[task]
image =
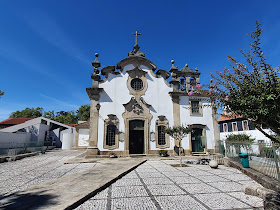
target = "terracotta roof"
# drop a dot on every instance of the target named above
(15, 121)
(72, 125)
(84, 124)
(230, 116)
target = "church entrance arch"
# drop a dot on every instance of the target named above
(136, 137)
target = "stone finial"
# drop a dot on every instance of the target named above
(186, 69)
(173, 69)
(96, 64)
(196, 70)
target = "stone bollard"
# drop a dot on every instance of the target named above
(213, 164)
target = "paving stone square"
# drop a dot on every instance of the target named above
(128, 191)
(227, 186)
(213, 178)
(221, 201)
(251, 200)
(199, 188)
(157, 181)
(236, 177)
(185, 180)
(101, 195)
(131, 175)
(93, 205)
(179, 202)
(165, 190)
(174, 173)
(133, 203)
(149, 175)
(127, 182)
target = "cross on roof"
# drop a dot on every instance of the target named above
(136, 33)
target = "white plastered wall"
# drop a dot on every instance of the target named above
(116, 94)
(205, 119)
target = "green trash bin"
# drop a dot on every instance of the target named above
(244, 159)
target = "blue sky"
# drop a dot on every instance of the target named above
(46, 47)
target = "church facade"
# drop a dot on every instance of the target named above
(132, 103)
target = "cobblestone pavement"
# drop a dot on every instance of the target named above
(158, 185)
(27, 172)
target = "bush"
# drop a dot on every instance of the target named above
(242, 138)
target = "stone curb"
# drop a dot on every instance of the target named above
(264, 180)
(270, 197)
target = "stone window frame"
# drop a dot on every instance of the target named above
(225, 127)
(244, 127)
(137, 73)
(200, 108)
(111, 120)
(161, 122)
(234, 128)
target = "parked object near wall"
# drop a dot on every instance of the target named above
(68, 141)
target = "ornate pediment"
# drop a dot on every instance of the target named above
(137, 72)
(134, 106)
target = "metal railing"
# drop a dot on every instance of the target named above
(263, 156)
(13, 148)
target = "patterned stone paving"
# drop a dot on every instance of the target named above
(27, 172)
(158, 185)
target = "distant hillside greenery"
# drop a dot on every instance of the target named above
(65, 117)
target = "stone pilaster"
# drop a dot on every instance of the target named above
(94, 96)
(216, 128)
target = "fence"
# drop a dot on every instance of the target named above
(263, 156)
(21, 148)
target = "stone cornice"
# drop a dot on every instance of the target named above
(136, 60)
(94, 93)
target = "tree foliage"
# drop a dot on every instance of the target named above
(83, 113)
(1, 93)
(252, 91)
(178, 133)
(66, 117)
(28, 113)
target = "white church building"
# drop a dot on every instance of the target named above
(132, 103)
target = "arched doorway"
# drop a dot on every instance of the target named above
(136, 137)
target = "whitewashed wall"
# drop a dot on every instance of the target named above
(8, 139)
(205, 119)
(253, 133)
(116, 94)
(83, 138)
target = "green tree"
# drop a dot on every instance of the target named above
(66, 117)
(252, 91)
(49, 115)
(83, 113)
(178, 133)
(28, 113)
(1, 93)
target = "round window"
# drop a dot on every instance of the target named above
(137, 84)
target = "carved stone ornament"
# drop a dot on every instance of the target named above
(137, 72)
(93, 93)
(136, 107)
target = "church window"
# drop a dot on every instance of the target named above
(111, 135)
(162, 139)
(137, 84)
(161, 135)
(111, 132)
(195, 108)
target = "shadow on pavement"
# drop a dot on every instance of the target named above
(21, 200)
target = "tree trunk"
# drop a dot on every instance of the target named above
(267, 135)
(180, 153)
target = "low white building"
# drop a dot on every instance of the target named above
(240, 125)
(133, 102)
(38, 129)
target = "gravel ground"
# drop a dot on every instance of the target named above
(22, 174)
(158, 185)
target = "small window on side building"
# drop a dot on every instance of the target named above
(245, 125)
(225, 127)
(234, 126)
